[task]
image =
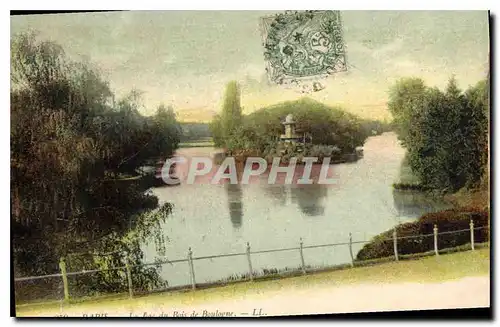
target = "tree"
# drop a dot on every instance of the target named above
(405, 101)
(475, 119)
(70, 147)
(231, 109)
(168, 129)
(217, 132)
(445, 133)
(324, 124)
(226, 125)
(195, 131)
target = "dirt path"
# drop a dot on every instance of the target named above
(462, 293)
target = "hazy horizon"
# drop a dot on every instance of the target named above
(185, 58)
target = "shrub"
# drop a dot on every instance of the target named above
(322, 151)
(448, 220)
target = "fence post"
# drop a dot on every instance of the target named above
(350, 249)
(301, 249)
(436, 240)
(249, 262)
(129, 277)
(62, 266)
(395, 242)
(191, 268)
(472, 234)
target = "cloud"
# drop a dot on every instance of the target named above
(386, 51)
(186, 58)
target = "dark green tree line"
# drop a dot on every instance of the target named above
(72, 148)
(445, 132)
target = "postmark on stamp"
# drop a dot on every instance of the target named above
(303, 46)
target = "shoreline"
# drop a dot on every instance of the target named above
(218, 158)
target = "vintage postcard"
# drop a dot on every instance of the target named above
(201, 164)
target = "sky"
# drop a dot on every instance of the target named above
(185, 58)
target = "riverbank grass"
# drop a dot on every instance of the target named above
(429, 269)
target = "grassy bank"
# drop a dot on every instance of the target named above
(429, 269)
(417, 236)
(477, 197)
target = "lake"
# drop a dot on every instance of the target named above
(222, 218)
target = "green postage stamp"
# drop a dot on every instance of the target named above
(302, 46)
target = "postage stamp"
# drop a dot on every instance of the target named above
(301, 46)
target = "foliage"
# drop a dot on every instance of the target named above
(120, 249)
(445, 133)
(405, 99)
(225, 126)
(375, 127)
(321, 124)
(194, 131)
(321, 151)
(71, 144)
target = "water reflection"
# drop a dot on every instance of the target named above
(309, 198)
(413, 204)
(276, 193)
(234, 195)
(234, 198)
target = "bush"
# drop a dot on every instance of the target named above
(448, 220)
(322, 151)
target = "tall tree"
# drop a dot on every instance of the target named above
(231, 108)
(225, 126)
(70, 146)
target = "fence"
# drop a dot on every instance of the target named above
(66, 294)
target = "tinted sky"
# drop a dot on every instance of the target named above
(184, 58)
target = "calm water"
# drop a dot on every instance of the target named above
(216, 219)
